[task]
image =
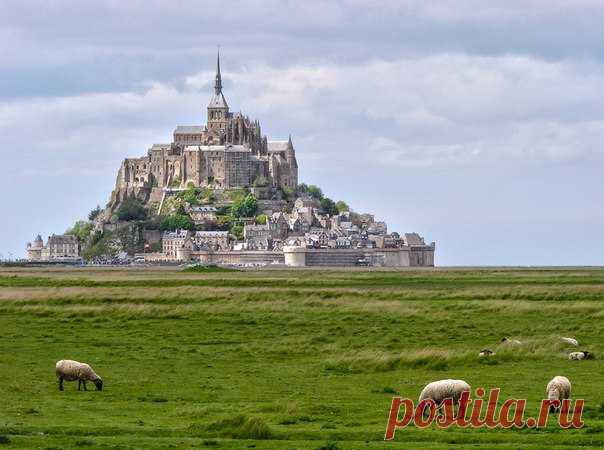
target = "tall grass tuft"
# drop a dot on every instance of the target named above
(209, 269)
(242, 427)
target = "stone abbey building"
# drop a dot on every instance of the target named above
(229, 151)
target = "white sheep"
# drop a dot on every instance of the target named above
(507, 340)
(558, 389)
(570, 341)
(439, 390)
(69, 370)
(486, 352)
(577, 356)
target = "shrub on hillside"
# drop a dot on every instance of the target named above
(94, 213)
(315, 192)
(81, 229)
(176, 222)
(237, 231)
(328, 206)
(131, 209)
(245, 207)
(342, 206)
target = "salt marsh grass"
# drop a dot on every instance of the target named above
(287, 359)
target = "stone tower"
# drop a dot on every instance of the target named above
(218, 110)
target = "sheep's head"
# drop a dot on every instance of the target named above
(554, 405)
(553, 395)
(504, 339)
(588, 355)
(99, 384)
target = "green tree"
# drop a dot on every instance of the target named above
(131, 209)
(342, 206)
(176, 222)
(97, 247)
(302, 188)
(81, 229)
(245, 207)
(288, 193)
(237, 230)
(261, 219)
(190, 196)
(315, 191)
(206, 195)
(328, 206)
(94, 213)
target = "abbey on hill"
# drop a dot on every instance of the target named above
(222, 193)
(229, 151)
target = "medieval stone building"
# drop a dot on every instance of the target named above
(229, 151)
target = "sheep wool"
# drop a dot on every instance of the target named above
(570, 341)
(507, 340)
(558, 388)
(442, 389)
(578, 356)
(70, 370)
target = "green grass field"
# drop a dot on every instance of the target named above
(287, 359)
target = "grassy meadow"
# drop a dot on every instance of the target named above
(282, 359)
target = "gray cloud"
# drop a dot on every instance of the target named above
(461, 120)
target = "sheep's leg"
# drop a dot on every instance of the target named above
(60, 383)
(84, 383)
(79, 384)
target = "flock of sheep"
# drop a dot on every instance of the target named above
(567, 340)
(559, 387)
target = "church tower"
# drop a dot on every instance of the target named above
(218, 110)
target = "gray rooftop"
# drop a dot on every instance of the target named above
(178, 234)
(277, 146)
(414, 239)
(62, 239)
(218, 101)
(189, 129)
(203, 208)
(218, 148)
(202, 234)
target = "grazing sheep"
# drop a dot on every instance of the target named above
(69, 370)
(486, 352)
(577, 356)
(570, 341)
(442, 389)
(507, 340)
(558, 389)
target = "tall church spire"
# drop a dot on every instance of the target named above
(218, 84)
(218, 110)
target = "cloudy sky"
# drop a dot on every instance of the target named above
(478, 124)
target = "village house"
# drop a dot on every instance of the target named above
(257, 237)
(212, 240)
(172, 241)
(59, 247)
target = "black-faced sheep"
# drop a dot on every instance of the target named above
(68, 370)
(486, 352)
(577, 356)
